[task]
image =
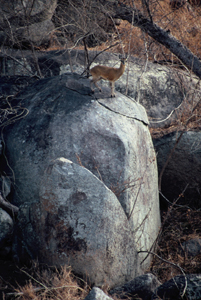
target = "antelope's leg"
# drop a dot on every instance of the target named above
(112, 89)
(94, 81)
(91, 84)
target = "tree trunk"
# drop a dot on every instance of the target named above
(160, 35)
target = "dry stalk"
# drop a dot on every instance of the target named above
(171, 263)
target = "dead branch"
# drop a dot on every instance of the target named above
(160, 35)
(10, 208)
(111, 46)
(171, 263)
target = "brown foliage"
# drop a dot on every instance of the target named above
(51, 284)
(181, 225)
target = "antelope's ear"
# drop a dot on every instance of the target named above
(124, 60)
(123, 57)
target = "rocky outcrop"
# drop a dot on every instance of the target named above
(161, 90)
(109, 137)
(80, 221)
(26, 22)
(182, 174)
(183, 169)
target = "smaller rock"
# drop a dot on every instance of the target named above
(192, 247)
(180, 287)
(6, 229)
(97, 294)
(143, 286)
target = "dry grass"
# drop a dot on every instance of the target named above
(183, 23)
(188, 119)
(179, 125)
(48, 284)
(181, 225)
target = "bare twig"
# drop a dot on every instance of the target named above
(20, 63)
(168, 115)
(164, 222)
(120, 40)
(129, 48)
(10, 208)
(177, 205)
(171, 263)
(166, 261)
(109, 47)
(175, 145)
(86, 56)
(141, 182)
(145, 68)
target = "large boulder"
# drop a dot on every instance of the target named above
(109, 137)
(80, 221)
(160, 89)
(182, 172)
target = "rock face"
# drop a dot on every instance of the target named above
(160, 90)
(26, 21)
(80, 221)
(183, 170)
(109, 137)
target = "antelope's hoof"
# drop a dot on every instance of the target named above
(113, 95)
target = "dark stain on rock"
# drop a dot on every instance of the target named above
(50, 223)
(78, 197)
(67, 242)
(64, 235)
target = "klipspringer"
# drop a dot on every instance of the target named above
(108, 73)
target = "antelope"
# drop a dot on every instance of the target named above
(108, 73)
